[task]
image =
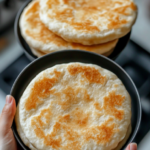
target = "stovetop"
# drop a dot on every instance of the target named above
(133, 59)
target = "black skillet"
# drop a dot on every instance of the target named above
(118, 49)
(77, 56)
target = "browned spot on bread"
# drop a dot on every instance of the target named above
(97, 106)
(38, 126)
(50, 3)
(66, 124)
(39, 31)
(101, 134)
(33, 9)
(71, 3)
(110, 102)
(114, 18)
(66, 118)
(116, 85)
(116, 23)
(120, 3)
(70, 98)
(38, 131)
(73, 138)
(91, 9)
(76, 118)
(43, 34)
(69, 95)
(56, 128)
(41, 89)
(66, 13)
(82, 81)
(98, 114)
(133, 6)
(72, 146)
(87, 26)
(64, 16)
(67, 16)
(90, 73)
(46, 115)
(123, 10)
(82, 120)
(50, 141)
(87, 97)
(74, 143)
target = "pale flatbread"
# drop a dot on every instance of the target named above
(74, 106)
(120, 145)
(88, 21)
(39, 53)
(38, 36)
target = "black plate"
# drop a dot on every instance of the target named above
(77, 56)
(118, 49)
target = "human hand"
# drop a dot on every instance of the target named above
(7, 140)
(132, 146)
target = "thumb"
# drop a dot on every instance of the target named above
(7, 115)
(132, 146)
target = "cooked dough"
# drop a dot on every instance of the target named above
(120, 145)
(74, 106)
(88, 21)
(39, 53)
(38, 36)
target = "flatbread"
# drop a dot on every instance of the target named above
(74, 106)
(39, 53)
(88, 22)
(120, 145)
(38, 36)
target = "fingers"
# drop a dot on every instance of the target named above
(7, 115)
(132, 146)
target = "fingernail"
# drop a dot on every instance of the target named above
(8, 99)
(133, 146)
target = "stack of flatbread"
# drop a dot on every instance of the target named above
(74, 106)
(92, 25)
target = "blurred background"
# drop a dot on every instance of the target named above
(135, 59)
